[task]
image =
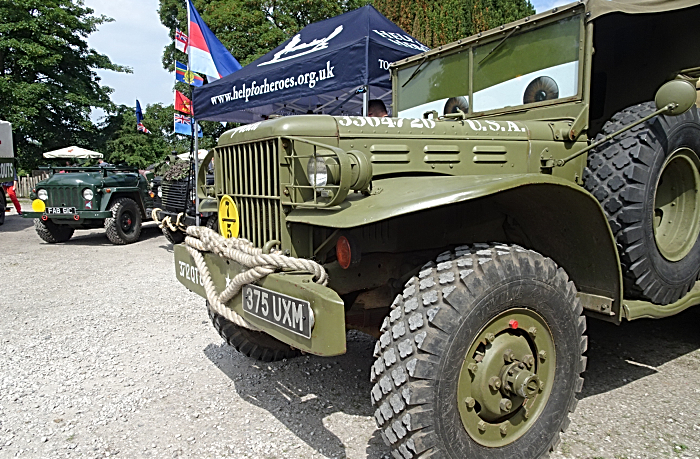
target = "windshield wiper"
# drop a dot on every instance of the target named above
(503, 40)
(415, 72)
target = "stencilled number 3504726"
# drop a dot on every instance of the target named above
(362, 121)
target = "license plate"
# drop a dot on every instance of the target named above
(284, 311)
(60, 210)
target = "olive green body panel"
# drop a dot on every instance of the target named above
(328, 333)
(634, 309)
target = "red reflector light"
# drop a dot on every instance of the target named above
(44, 217)
(108, 190)
(343, 252)
(76, 217)
(513, 324)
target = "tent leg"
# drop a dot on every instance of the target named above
(365, 101)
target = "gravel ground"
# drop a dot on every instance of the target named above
(103, 353)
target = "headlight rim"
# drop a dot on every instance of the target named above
(45, 193)
(87, 191)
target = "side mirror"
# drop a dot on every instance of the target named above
(681, 93)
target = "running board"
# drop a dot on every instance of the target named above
(634, 309)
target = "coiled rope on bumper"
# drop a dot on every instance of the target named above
(201, 239)
(167, 221)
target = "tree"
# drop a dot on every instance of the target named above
(122, 143)
(438, 23)
(48, 83)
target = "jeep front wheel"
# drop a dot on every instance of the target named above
(52, 233)
(124, 227)
(481, 356)
(254, 344)
(174, 237)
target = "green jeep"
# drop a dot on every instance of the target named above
(526, 183)
(117, 198)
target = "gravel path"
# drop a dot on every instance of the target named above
(103, 353)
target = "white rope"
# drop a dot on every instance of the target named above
(201, 239)
(167, 221)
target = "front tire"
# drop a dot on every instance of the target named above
(254, 344)
(174, 237)
(124, 227)
(52, 233)
(481, 356)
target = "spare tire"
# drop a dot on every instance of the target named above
(647, 181)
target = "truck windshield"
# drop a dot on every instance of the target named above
(520, 68)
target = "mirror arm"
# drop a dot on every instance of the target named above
(661, 111)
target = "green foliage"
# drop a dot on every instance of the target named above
(437, 23)
(124, 144)
(176, 171)
(250, 28)
(48, 83)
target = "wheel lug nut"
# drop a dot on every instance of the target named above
(472, 368)
(541, 385)
(470, 402)
(482, 426)
(543, 355)
(495, 382)
(529, 360)
(505, 404)
(508, 356)
(532, 331)
(526, 413)
(490, 337)
(503, 429)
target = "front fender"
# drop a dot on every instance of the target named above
(557, 218)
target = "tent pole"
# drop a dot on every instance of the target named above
(365, 100)
(196, 171)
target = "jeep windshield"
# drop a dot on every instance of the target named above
(526, 65)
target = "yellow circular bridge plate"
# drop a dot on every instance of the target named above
(229, 223)
(38, 205)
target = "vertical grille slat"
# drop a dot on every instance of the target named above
(250, 176)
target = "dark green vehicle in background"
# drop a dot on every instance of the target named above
(117, 198)
(526, 183)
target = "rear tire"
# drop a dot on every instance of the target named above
(52, 233)
(646, 180)
(124, 227)
(213, 223)
(468, 335)
(174, 237)
(254, 344)
(3, 205)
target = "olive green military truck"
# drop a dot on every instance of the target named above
(117, 198)
(527, 182)
(7, 172)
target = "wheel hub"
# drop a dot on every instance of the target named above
(502, 386)
(676, 205)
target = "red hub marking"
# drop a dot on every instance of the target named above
(513, 324)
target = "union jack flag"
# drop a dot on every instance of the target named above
(142, 128)
(183, 125)
(180, 40)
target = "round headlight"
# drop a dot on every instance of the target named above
(160, 192)
(87, 194)
(42, 194)
(317, 171)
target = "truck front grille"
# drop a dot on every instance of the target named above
(64, 196)
(174, 195)
(249, 173)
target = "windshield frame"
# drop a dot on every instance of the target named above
(502, 34)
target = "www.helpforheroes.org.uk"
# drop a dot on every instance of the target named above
(255, 89)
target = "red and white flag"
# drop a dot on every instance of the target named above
(180, 40)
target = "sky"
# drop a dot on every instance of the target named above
(136, 39)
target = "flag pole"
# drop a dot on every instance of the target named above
(193, 122)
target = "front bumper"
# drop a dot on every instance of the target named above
(328, 333)
(82, 215)
(188, 220)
